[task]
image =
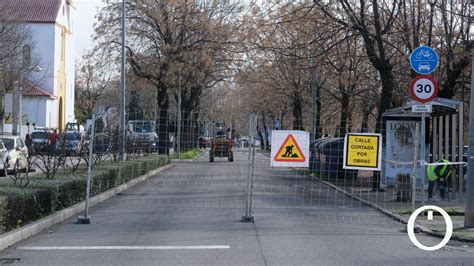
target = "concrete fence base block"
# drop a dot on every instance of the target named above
(17, 235)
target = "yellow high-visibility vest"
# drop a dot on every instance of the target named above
(430, 170)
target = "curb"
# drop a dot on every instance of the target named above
(35, 228)
(199, 156)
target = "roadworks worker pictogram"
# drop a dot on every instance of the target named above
(289, 151)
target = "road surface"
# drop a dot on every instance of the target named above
(190, 215)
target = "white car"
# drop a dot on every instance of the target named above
(17, 158)
(3, 158)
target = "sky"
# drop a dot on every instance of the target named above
(84, 24)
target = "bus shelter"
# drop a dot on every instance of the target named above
(444, 139)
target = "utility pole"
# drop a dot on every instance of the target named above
(178, 137)
(122, 126)
(469, 209)
(314, 94)
(16, 108)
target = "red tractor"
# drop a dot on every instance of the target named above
(221, 146)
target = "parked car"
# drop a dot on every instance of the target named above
(40, 141)
(315, 154)
(3, 159)
(17, 158)
(244, 143)
(327, 159)
(69, 143)
(102, 143)
(204, 143)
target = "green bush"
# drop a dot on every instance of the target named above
(186, 155)
(19, 206)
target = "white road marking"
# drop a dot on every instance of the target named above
(430, 215)
(123, 247)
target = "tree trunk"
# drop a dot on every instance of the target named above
(297, 112)
(452, 75)
(260, 135)
(163, 121)
(318, 116)
(344, 114)
(185, 138)
(365, 123)
(2, 113)
(388, 86)
(265, 130)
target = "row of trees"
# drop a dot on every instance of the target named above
(226, 61)
(359, 50)
(175, 49)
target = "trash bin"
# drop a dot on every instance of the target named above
(315, 155)
(331, 153)
(403, 187)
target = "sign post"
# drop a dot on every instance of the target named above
(423, 156)
(423, 89)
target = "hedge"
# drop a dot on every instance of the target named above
(19, 206)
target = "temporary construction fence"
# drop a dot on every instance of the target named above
(224, 168)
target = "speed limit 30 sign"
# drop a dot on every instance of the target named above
(423, 88)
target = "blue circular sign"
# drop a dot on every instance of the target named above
(424, 60)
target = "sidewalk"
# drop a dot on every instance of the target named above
(387, 202)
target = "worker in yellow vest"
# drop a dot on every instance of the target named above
(441, 174)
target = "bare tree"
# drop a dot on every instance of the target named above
(93, 80)
(180, 47)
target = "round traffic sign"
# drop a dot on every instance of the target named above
(424, 60)
(423, 88)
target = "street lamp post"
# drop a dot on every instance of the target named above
(122, 127)
(314, 94)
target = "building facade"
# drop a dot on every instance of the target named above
(48, 94)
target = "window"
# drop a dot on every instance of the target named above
(26, 51)
(8, 143)
(18, 143)
(22, 144)
(39, 135)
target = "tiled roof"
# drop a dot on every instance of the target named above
(30, 10)
(32, 90)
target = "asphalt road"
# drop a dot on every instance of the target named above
(190, 215)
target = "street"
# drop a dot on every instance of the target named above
(190, 215)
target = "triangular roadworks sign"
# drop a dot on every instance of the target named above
(289, 151)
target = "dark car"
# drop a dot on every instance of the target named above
(40, 141)
(315, 154)
(102, 143)
(327, 159)
(69, 143)
(203, 143)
